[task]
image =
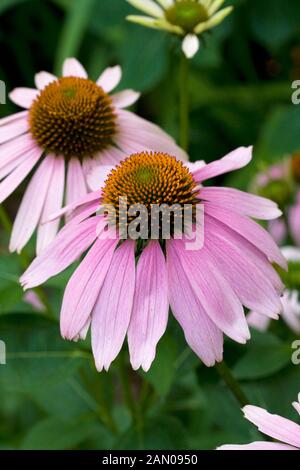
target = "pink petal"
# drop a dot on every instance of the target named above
(32, 299)
(278, 230)
(250, 230)
(214, 293)
(79, 206)
(257, 321)
(97, 177)
(150, 309)
(43, 79)
(241, 202)
(111, 315)
(53, 202)
(23, 97)
(258, 445)
(73, 68)
(273, 425)
(233, 161)
(110, 78)
(31, 207)
(125, 98)
(12, 153)
(291, 310)
(294, 223)
(249, 273)
(13, 129)
(202, 335)
(84, 286)
(76, 184)
(69, 244)
(12, 181)
(137, 134)
(296, 404)
(13, 117)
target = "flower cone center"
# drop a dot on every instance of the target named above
(187, 14)
(73, 117)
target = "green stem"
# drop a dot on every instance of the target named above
(235, 388)
(184, 102)
(25, 261)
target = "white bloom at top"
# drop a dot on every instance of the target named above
(188, 18)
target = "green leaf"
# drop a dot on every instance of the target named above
(56, 434)
(36, 356)
(266, 355)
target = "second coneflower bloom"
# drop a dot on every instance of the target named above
(125, 285)
(71, 124)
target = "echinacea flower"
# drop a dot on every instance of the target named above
(70, 125)
(285, 431)
(187, 18)
(290, 301)
(206, 286)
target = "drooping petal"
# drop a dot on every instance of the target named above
(213, 21)
(73, 68)
(296, 404)
(97, 177)
(69, 244)
(155, 23)
(190, 45)
(47, 230)
(13, 153)
(12, 181)
(214, 6)
(23, 97)
(241, 202)
(110, 78)
(43, 79)
(125, 98)
(150, 309)
(277, 228)
(75, 184)
(233, 161)
(202, 335)
(111, 314)
(291, 310)
(13, 118)
(294, 222)
(31, 207)
(13, 129)
(257, 321)
(84, 286)
(258, 445)
(273, 425)
(149, 136)
(213, 292)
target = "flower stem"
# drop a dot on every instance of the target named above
(25, 261)
(184, 102)
(235, 388)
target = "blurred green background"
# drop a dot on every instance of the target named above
(240, 94)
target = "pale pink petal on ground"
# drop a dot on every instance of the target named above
(137, 134)
(111, 314)
(83, 288)
(43, 79)
(249, 273)
(69, 244)
(257, 321)
(110, 78)
(150, 309)
(278, 230)
(233, 161)
(273, 425)
(214, 292)
(32, 299)
(75, 184)
(294, 223)
(291, 310)
(125, 98)
(13, 129)
(250, 230)
(202, 335)
(12, 153)
(31, 207)
(53, 202)
(73, 68)
(97, 177)
(12, 181)
(13, 118)
(258, 445)
(23, 97)
(296, 404)
(241, 202)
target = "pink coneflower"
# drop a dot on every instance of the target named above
(290, 301)
(70, 125)
(277, 427)
(206, 287)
